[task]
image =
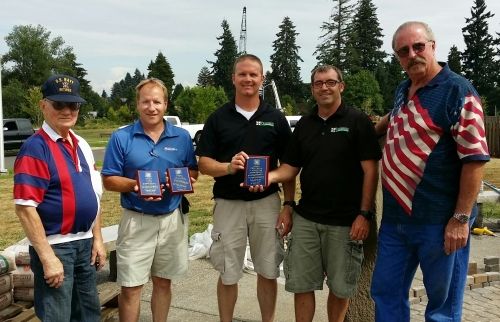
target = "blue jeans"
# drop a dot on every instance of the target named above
(401, 248)
(76, 299)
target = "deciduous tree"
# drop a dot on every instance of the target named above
(197, 103)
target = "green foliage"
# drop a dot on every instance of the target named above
(222, 68)
(389, 74)
(288, 104)
(205, 77)
(32, 54)
(13, 99)
(195, 104)
(478, 57)
(31, 106)
(365, 40)
(454, 60)
(32, 57)
(120, 115)
(284, 61)
(123, 92)
(332, 49)
(161, 69)
(362, 90)
(178, 89)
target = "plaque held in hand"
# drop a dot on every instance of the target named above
(180, 180)
(148, 182)
(256, 170)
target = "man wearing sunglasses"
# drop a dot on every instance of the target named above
(57, 191)
(431, 173)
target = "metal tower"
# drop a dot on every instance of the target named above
(242, 49)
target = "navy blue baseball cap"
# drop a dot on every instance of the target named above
(62, 88)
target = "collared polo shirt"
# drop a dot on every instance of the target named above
(430, 136)
(61, 183)
(330, 153)
(130, 149)
(227, 132)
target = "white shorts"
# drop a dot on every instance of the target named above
(151, 246)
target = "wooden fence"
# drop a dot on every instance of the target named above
(492, 125)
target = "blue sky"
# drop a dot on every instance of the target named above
(112, 37)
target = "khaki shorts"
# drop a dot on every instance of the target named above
(234, 221)
(315, 250)
(151, 246)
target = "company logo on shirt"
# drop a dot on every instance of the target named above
(339, 129)
(261, 123)
(169, 148)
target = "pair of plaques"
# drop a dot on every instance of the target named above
(149, 182)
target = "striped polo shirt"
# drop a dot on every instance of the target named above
(61, 182)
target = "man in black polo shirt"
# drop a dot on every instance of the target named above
(338, 152)
(246, 126)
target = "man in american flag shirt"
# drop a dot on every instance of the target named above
(432, 168)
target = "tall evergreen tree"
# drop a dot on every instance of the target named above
(205, 77)
(222, 67)
(336, 31)
(161, 69)
(284, 61)
(478, 56)
(123, 92)
(365, 40)
(454, 60)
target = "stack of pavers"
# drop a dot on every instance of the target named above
(490, 276)
(476, 278)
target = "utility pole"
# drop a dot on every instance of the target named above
(2, 152)
(242, 49)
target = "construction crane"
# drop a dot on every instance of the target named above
(243, 33)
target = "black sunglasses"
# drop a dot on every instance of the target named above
(59, 106)
(417, 47)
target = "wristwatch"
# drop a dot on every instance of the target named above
(461, 217)
(290, 203)
(368, 214)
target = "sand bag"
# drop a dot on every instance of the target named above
(7, 262)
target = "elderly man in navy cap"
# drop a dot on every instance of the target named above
(57, 192)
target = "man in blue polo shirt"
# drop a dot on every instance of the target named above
(57, 192)
(152, 235)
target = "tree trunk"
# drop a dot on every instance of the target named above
(361, 306)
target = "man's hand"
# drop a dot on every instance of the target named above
(237, 162)
(98, 254)
(53, 271)
(360, 228)
(455, 236)
(284, 223)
